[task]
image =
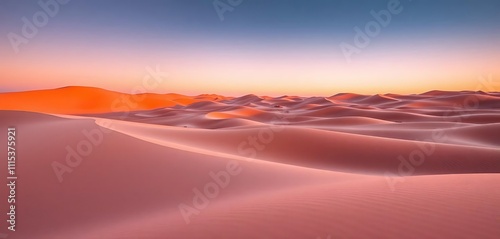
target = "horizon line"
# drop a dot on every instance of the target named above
(334, 94)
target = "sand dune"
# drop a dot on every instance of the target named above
(345, 166)
(89, 100)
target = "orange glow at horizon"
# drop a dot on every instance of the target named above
(233, 72)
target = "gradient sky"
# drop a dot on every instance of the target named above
(266, 47)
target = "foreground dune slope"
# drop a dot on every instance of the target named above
(132, 180)
(447, 206)
(120, 177)
(323, 149)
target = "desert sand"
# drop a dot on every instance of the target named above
(99, 164)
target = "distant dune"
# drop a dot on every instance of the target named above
(89, 100)
(344, 166)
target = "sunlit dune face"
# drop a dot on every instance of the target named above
(212, 97)
(219, 115)
(346, 96)
(238, 113)
(88, 100)
(80, 100)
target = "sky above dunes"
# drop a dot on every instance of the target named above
(266, 47)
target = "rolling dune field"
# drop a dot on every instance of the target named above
(99, 164)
